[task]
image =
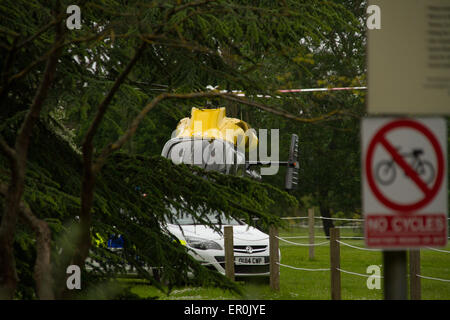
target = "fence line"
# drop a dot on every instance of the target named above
(303, 244)
(328, 269)
(334, 242)
(349, 227)
(431, 278)
(337, 227)
(319, 217)
(352, 238)
(302, 237)
(338, 219)
(355, 247)
(359, 274)
(326, 218)
(438, 250)
(323, 237)
(302, 269)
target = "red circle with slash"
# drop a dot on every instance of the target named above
(380, 139)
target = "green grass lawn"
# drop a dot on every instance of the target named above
(315, 285)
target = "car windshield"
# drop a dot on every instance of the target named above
(184, 218)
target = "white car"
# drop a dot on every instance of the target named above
(251, 246)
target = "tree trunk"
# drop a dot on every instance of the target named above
(8, 278)
(18, 162)
(87, 199)
(327, 223)
(42, 267)
(8, 274)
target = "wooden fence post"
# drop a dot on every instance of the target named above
(311, 233)
(274, 267)
(414, 270)
(229, 252)
(335, 264)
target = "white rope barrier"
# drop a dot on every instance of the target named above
(431, 278)
(352, 238)
(355, 273)
(300, 237)
(240, 93)
(321, 217)
(338, 227)
(303, 244)
(359, 274)
(301, 269)
(355, 247)
(349, 227)
(322, 89)
(323, 237)
(438, 250)
(338, 219)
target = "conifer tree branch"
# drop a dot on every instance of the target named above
(192, 4)
(8, 274)
(42, 267)
(9, 61)
(54, 49)
(88, 180)
(7, 150)
(42, 30)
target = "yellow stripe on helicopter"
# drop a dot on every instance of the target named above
(213, 124)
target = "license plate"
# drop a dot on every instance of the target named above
(249, 260)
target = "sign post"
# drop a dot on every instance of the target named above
(404, 191)
(405, 170)
(395, 285)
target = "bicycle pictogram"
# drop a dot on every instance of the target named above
(386, 170)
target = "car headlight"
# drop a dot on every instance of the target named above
(202, 244)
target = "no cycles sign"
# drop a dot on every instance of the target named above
(404, 182)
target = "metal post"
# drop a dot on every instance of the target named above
(395, 285)
(414, 270)
(274, 259)
(229, 251)
(335, 264)
(311, 233)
